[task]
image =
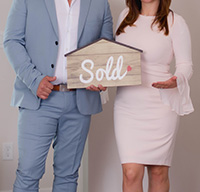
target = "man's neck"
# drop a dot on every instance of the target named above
(69, 1)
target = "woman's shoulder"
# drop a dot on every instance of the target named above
(175, 20)
(123, 13)
(125, 10)
(121, 17)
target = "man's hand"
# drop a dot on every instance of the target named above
(94, 88)
(171, 83)
(45, 87)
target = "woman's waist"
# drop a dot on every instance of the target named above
(148, 79)
(154, 72)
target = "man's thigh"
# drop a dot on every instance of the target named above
(69, 143)
(36, 129)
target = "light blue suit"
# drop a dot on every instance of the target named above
(30, 44)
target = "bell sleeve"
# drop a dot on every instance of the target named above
(179, 98)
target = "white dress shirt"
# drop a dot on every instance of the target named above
(68, 18)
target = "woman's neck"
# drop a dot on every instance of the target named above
(150, 9)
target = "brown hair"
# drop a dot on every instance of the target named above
(135, 9)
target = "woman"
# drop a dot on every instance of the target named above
(146, 116)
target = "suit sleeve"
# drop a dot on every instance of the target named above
(107, 27)
(15, 47)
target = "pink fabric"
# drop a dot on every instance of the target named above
(146, 119)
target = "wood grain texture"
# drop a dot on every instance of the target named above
(99, 54)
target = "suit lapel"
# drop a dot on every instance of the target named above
(50, 4)
(84, 7)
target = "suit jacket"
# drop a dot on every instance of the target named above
(29, 42)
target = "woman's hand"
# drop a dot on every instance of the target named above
(171, 83)
(94, 88)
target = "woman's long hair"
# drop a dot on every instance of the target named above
(135, 9)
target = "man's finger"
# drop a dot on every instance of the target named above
(50, 78)
(92, 88)
(102, 88)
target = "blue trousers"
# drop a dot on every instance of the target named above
(57, 119)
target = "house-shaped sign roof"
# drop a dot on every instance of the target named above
(103, 62)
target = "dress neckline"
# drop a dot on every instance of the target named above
(147, 16)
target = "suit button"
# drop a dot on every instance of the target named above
(56, 42)
(52, 65)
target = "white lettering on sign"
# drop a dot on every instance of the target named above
(87, 70)
(100, 73)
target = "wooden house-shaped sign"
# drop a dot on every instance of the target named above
(103, 62)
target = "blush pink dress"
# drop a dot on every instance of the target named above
(146, 119)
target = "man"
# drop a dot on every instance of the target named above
(37, 35)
